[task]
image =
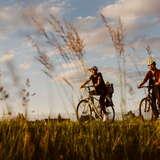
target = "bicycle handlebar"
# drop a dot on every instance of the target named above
(151, 86)
(87, 86)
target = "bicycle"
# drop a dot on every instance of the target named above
(146, 105)
(88, 108)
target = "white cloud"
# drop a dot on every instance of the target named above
(68, 74)
(91, 34)
(95, 36)
(25, 66)
(153, 42)
(110, 70)
(72, 75)
(15, 16)
(85, 20)
(6, 57)
(132, 12)
(5, 13)
(75, 64)
(38, 10)
(132, 9)
(72, 71)
(52, 52)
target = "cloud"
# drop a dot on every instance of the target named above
(72, 75)
(132, 12)
(90, 31)
(88, 18)
(75, 64)
(153, 42)
(110, 70)
(136, 75)
(7, 57)
(95, 36)
(5, 13)
(52, 52)
(25, 66)
(23, 14)
(38, 9)
(132, 9)
(85, 22)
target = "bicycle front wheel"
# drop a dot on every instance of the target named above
(84, 111)
(145, 109)
(110, 113)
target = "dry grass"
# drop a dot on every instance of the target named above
(26, 95)
(130, 139)
(62, 36)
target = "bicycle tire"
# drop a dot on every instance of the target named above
(145, 109)
(85, 106)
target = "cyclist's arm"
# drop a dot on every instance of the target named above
(98, 82)
(158, 82)
(86, 82)
(147, 77)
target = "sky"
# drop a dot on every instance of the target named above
(141, 26)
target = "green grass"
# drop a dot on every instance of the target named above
(40, 140)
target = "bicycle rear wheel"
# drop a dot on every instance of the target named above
(145, 109)
(110, 113)
(83, 111)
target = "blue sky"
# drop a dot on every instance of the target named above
(141, 22)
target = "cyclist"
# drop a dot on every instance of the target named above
(100, 88)
(153, 75)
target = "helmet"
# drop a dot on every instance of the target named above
(150, 60)
(95, 68)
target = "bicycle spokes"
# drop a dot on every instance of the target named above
(147, 106)
(85, 109)
(90, 108)
(145, 109)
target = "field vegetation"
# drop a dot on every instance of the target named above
(49, 140)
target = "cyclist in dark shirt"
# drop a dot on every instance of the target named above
(100, 87)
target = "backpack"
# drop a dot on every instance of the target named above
(109, 88)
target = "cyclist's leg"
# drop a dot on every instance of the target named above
(157, 90)
(154, 97)
(109, 101)
(159, 97)
(102, 102)
(102, 106)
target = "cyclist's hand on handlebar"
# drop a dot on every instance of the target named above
(86, 86)
(82, 86)
(139, 86)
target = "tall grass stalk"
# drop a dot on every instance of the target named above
(63, 37)
(117, 37)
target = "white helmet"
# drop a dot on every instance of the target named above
(150, 60)
(94, 68)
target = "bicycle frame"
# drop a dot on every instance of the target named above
(149, 97)
(150, 92)
(91, 99)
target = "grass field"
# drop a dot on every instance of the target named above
(48, 140)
